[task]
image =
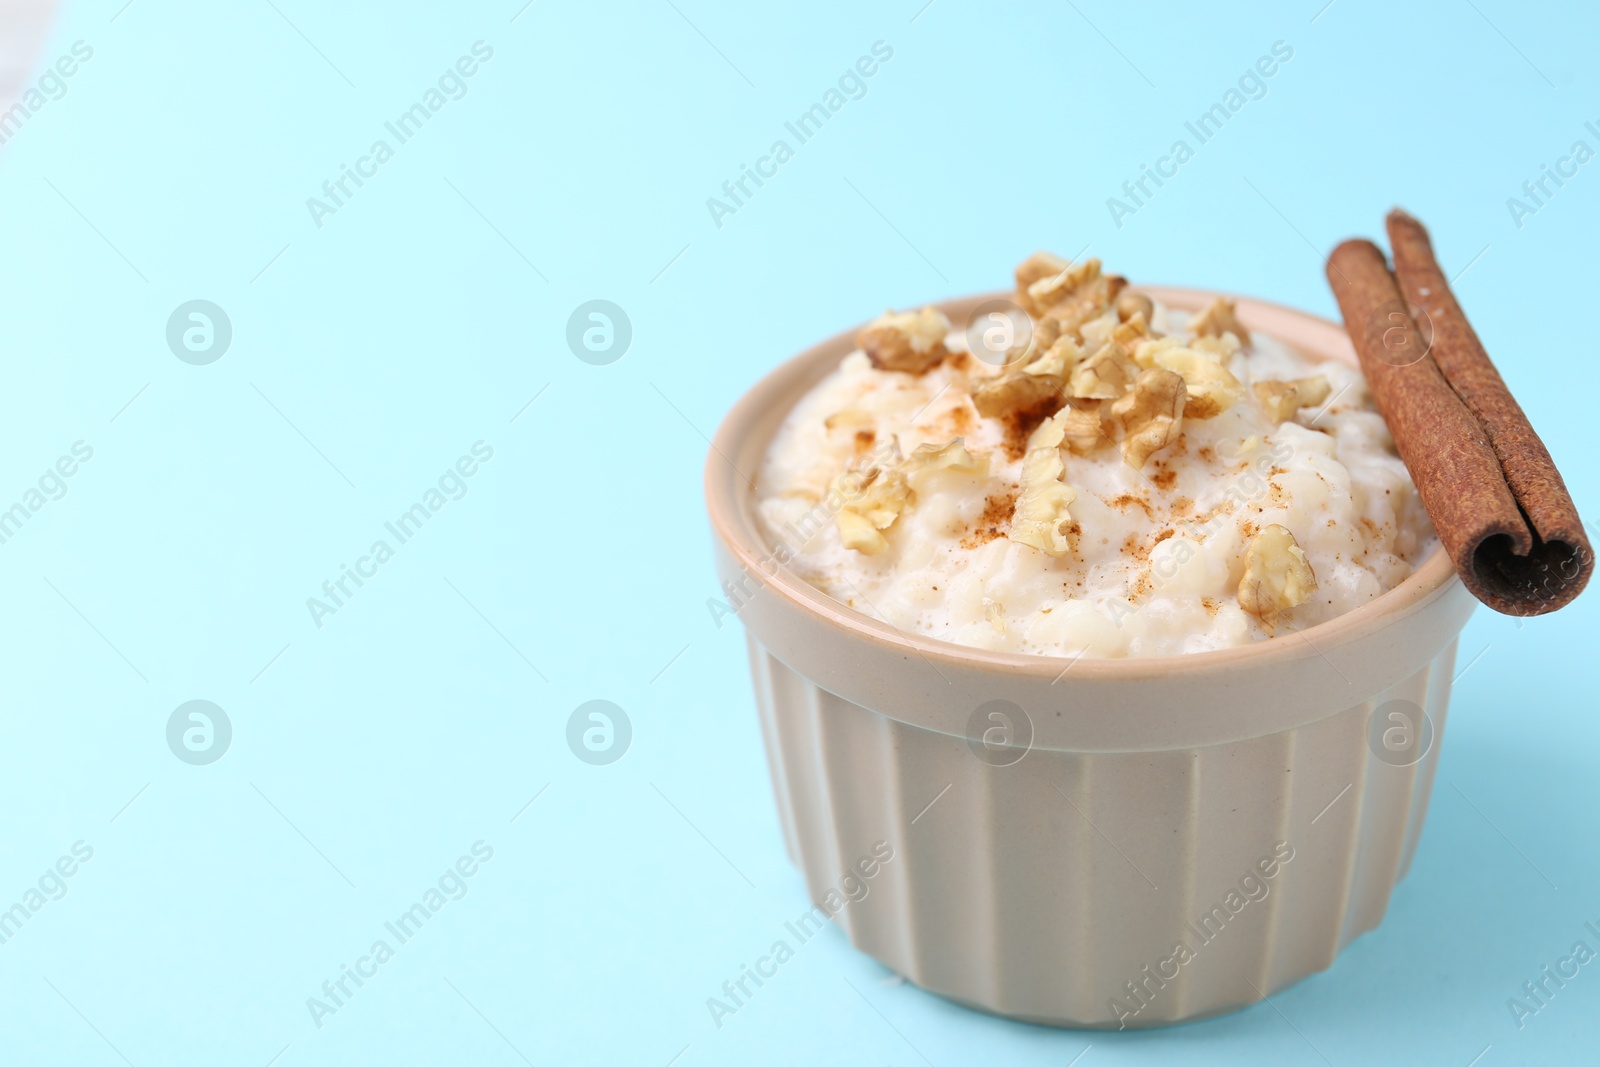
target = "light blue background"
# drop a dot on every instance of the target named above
(371, 352)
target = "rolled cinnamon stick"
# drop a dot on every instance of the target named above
(1558, 564)
(1457, 473)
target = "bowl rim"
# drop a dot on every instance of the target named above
(729, 501)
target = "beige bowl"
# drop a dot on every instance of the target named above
(1053, 851)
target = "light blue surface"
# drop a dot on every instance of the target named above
(371, 352)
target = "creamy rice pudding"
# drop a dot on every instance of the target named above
(1111, 477)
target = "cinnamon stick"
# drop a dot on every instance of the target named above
(1560, 560)
(1504, 561)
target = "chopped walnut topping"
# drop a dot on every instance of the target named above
(1218, 318)
(1058, 359)
(1224, 347)
(1090, 302)
(1045, 333)
(1280, 399)
(910, 341)
(1096, 332)
(1313, 390)
(1105, 375)
(1283, 399)
(1081, 429)
(857, 532)
(1109, 373)
(1018, 391)
(1039, 265)
(1212, 389)
(1129, 304)
(875, 496)
(1132, 330)
(1277, 576)
(1151, 415)
(1041, 517)
(930, 459)
(1144, 353)
(1045, 293)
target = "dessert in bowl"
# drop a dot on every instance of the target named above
(1139, 667)
(988, 501)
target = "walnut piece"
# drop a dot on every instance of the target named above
(1132, 329)
(1091, 301)
(1144, 353)
(1045, 334)
(1151, 415)
(874, 497)
(1017, 391)
(1066, 294)
(1081, 430)
(857, 532)
(1277, 576)
(927, 461)
(1039, 265)
(1223, 348)
(1217, 318)
(1129, 304)
(1105, 375)
(1059, 359)
(1041, 518)
(909, 341)
(1045, 293)
(1212, 389)
(1283, 399)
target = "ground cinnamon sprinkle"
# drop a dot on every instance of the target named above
(1207, 454)
(1182, 506)
(1227, 507)
(1019, 426)
(1074, 534)
(1164, 478)
(997, 512)
(864, 440)
(950, 424)
(1123, 502)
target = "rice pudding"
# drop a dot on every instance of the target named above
(1113, 478)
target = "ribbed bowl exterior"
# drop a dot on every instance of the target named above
(1057, 888)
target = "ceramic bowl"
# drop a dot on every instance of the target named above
(1090, 842)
